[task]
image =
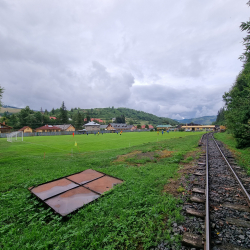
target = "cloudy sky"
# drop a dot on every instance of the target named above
(170, 58)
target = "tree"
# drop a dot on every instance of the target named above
(138, 126)
(63, 114)
(120, 119)
(53, 111)
(146, 126)
(237, 99)
(245, 26)
(14, 121)
(131, 121)
(88, 117)
(24, 113)
(78, 120)
(237, 103)
(220, 119)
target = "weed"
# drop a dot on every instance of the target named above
(180, 189)
(188, 159)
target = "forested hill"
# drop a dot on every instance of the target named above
(204, 120)
(133, 115)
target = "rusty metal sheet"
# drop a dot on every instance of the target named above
(50, 189)
(71, 200)
(103, 184)
(85, 176)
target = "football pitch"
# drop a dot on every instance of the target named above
(136, 214)
(85, 143)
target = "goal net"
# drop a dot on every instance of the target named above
(15, 136)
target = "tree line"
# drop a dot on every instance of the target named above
(236, 113)
(35, 119)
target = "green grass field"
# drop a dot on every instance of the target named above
(85, 143)
(242, 155)
(136, 214)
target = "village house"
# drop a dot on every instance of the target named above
(222, 128)
(26, 129)
(149, 126)
(4, 128)
(120, 127)
(95, 119)
(92, 126)
(165, 127)
(103, 127)
(66, 127)
(198, 128)
(48, 128)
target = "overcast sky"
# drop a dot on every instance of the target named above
(170, 58)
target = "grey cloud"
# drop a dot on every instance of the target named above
(170, 58)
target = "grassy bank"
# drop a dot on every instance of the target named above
(133, 215)
(242, 155)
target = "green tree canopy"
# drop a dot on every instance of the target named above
(120, 119)
(237, 99)
(78, 120)
(63, 114)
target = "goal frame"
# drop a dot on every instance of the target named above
(14, 135)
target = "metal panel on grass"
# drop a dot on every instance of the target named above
(71, 200)
(85, 176)
(103, 184)
(72, 192)
(50, 189)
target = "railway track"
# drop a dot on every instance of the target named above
(217, 209)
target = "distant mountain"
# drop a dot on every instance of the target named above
(204, 120)
(7, 106)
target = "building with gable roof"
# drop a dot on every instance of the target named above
(92, 126)
(66, 127)
(165, 127)
(149, 126)
(48, 128)
(119, 127)
(26, 129)
(4, 128)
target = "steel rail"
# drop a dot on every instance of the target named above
(207, 202)
(235, 175)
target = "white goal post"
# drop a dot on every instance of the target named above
(15, 136)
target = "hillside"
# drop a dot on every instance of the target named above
(132, 116)
(9, 109)
(135, 115)
(204, 120)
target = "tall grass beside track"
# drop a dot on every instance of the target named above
(242, 155)
(134, 214)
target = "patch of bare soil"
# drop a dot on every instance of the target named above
(154, 155)
(174, 186)
(122, 158)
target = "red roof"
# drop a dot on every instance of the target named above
(149, 126)
(5, 126)
(48, 127)
(52, 117)
(22, 129)
(94, 119)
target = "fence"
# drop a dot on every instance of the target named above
(4, 135)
